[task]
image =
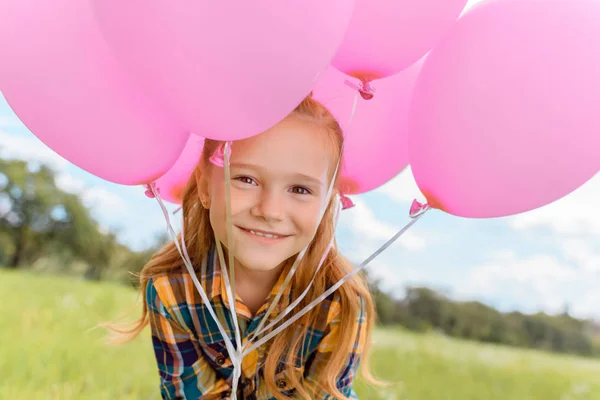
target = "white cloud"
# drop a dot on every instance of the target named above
(413, 241)
(394, 278)
(362, 220)
(535, 282)
(538, 282)
(101, 201)
(541, 272)
(29, 149)
(582, 253)
(68, 183)
(573, 224)
(372, 233)
(403, 188)
(575, 214)
(588, 304)
(7, 121)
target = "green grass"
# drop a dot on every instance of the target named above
(47, 351)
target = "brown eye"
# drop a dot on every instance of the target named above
(300, 190)
(246, 179)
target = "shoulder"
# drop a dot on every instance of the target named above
(333, 306)
(166, 287)
(170, 294)
(333, 309)
(175, 287)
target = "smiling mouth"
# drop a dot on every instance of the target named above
(263, 234)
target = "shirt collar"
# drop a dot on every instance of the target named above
(219, 290)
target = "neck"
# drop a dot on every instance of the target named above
(253, 286)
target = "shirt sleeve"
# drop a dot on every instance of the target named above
(328, 345)
(184, 374)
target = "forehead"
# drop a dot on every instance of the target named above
(293, 146)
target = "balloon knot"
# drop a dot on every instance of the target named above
(149, 192)
(417, 209)
(346, 202)
(218, 157)
(365, 89)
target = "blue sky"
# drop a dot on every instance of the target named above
(541, 260)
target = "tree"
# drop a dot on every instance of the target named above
(40, 218)
(31, 209)
(384, 303)
(426, 305)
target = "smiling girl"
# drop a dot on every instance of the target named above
(279, 184)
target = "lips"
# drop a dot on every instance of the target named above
(264, 234)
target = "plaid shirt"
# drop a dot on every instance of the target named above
(192, 358)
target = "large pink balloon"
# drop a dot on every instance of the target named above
(387, 36)
(375, 145)
(172, 184)
(62, 81)
(505, 112)
(226, 69)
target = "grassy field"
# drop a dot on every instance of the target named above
(47, 351)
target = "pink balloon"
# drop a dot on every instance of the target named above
(505, 112)
(387, 36)
(61, 80)
(226, 69)
(172, 184)
(375, 145)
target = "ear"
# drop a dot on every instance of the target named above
(203, 192)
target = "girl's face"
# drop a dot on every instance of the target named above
(279, 182)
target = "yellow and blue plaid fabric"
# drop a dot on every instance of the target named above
(191, 355)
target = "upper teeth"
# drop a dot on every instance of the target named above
(267, 235)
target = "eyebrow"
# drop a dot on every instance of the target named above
(298, 175)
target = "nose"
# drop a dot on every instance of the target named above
(270, 206)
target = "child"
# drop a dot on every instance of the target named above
(279, 184)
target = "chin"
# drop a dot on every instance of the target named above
(259, 262)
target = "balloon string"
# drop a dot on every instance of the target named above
(260, 329)
(236, 355)
(354, 106)
(230, 244)
(182, 249)
(328, 292)
(230, 283)
(291, 307)
(299, 258)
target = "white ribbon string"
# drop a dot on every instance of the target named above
(332, 289)
(237, 353)
(354, 105)
(300, 256)
(182, 249)
(230, 284)
(289, 308)
(237, 358)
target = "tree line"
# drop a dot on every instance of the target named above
(45, 229)
(424, 309)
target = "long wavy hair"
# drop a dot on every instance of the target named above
(200, 239)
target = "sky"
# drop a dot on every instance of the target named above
(542, 260)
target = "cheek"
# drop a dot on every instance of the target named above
(217, 221)
(217, 184)
(242, 200)
(307, 218)
(217, 193)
